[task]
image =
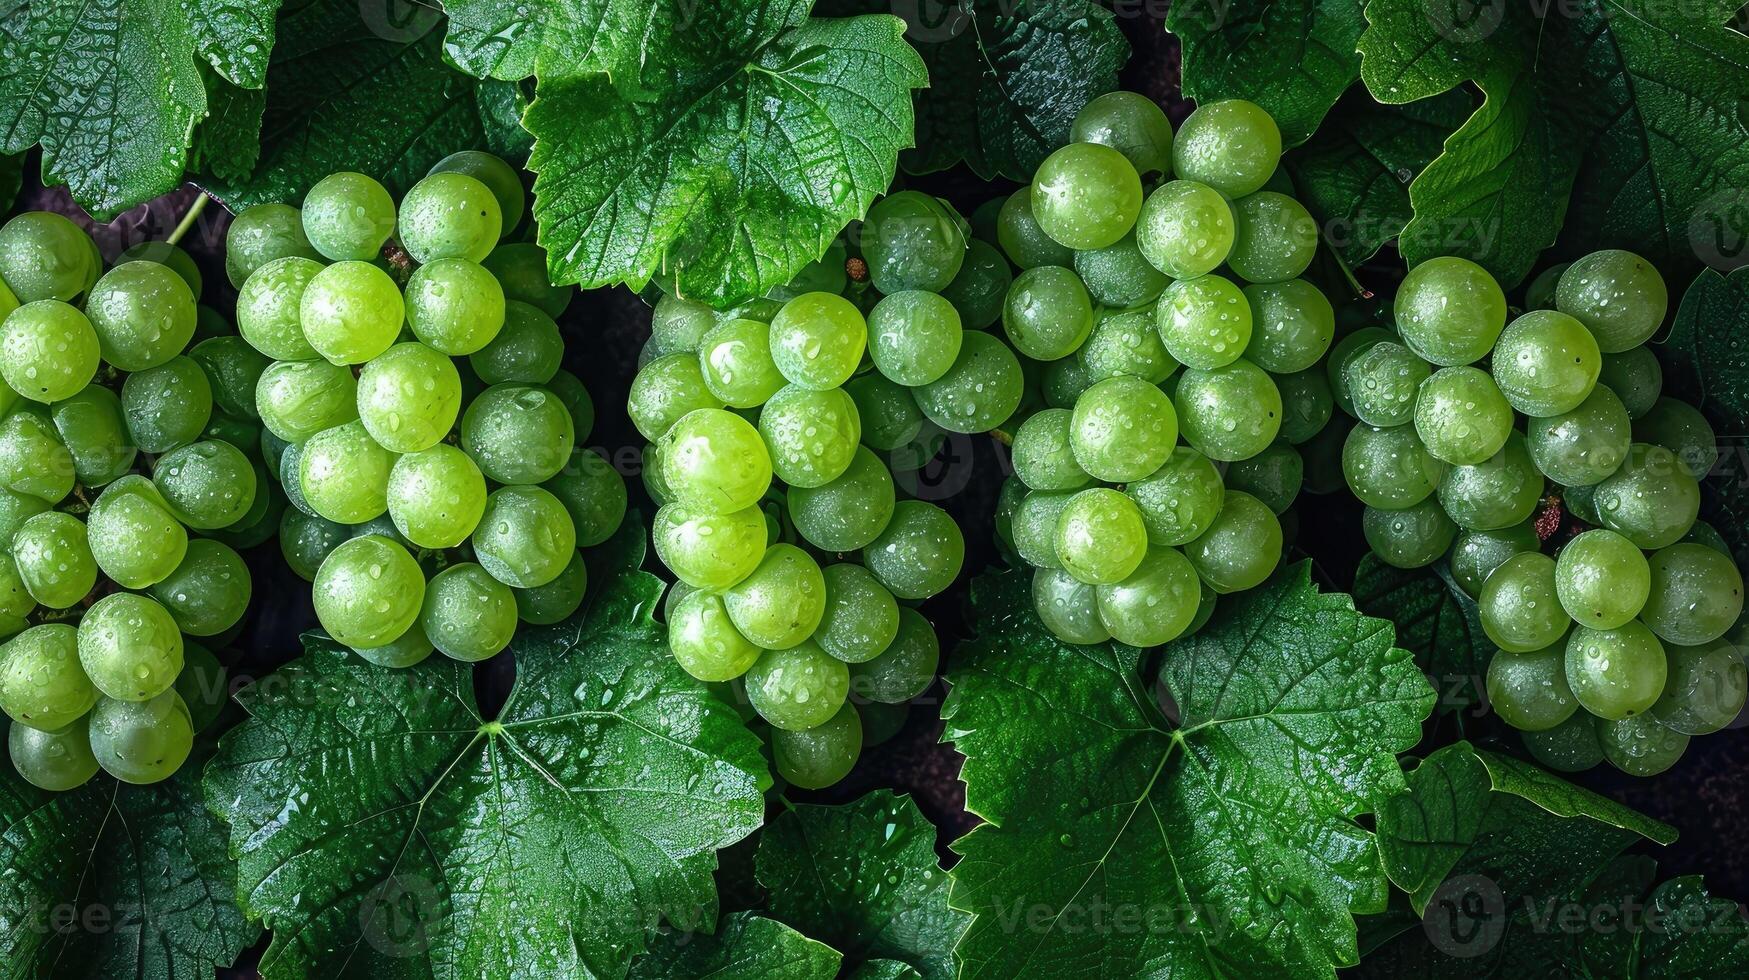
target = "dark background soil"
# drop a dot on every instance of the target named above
(1703, 795)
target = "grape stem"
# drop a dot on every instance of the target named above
(188, 218)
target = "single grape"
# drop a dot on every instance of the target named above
(705, 642)
(546, 604)
(1033, 526)
(595, 495)
(1129, 123)
(1204, 322)
(344, 474)
(1529, 691)
(817, 340)
(347, 215)
(797, 687)
(467, 614)
(1155, 603)
(521, 270)
(736, 363)
(1546, 363)
(1179, 500)
(1382, 383)
(1232, 145)
(781, 602)
(1086, 195)
(409, 397)
(142, 742)
(1602, 579)
(1571, 746)
(1695, 594)
(518, 434)
(1065, 380)
(57, 761)
(42, 684)
(1122, 429)
(919, 553)
(1345, 350)
(93, 428)
(234, 368)
(44, 255)
(1640, 746)
(1461, 416)
(133, 535)
(1540, 294)
(209, 592)
(666, 389)
(130, 647)
(268, 308)
(1021, 238)
(405, 650)
(1520, 607)
(1042, 454)
(455, 306)
(848, 513)
(1229, 413)
(368, 592)
(1100, 536)
(1682, 429)
(1241, 547)
(54, 560)
(1619, 296)
(1117, 275)
(1503, 491)
(1476, 554)
(980, 391)
(1185, 229)
(1292, 325)
(1046, 314)
(33, 460)
(817, 757)
(1306, 405)
(912, 241)
(1389, 468)
(298, 399)
(1636, 378)
(450, 215)
(48, 351)
(706, 550)
(525, 537)
(1585, 445)
(500, 177)
(1651, 499)
(351, 312)
(811, 435)
(1126, 342)
(914, 337)
(305, 540)
(1450, 311)
(143, 314)
(1068, 607)
(167, 406)
(1412, 537)
(1618, 672)
(861, 618)
(1274, 239)
(261, 234)
(206, 485)
(977, 292)
(1704, 688)
(527, 348)
(715, 461)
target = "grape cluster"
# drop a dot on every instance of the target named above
(124, 494)
(1181, 356)
(1455, 461)
(424, 433)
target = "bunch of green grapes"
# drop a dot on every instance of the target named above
(423, 430)
(1468, 423)
(1180, 353)
(803, 595)
(129, 475)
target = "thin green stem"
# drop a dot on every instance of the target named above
(188, 218)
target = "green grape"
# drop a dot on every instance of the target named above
(735, 361)
(666, 389)
(812, 435)
(655, 484)
(467, 614)
(1155, 603)
(849, 512)
(405, 650)
(1043, 457)
(56, 761)
(491, 170)
(525, 537)
(977, 292)
(142, 742)
(1584, 446)
(780, 603)
(1273, 476)
(1546, 363)
(1122, 429)
(705, 642)
(268, 308)
(260, 234)
(235, 369)
(133, 536)
(206, 485)
(1086, 195)
(1461, 416)
(143, 314)
(130, 647)
(715, 461)
(1618, 672)
(165, 254)
(1704, 689)
(351, 312)
(41, 682)
(1126, 342)
(677, 325)
(818, 757)
(298, 399)
(817, 340)
(914, 336)
(1205, 322)
(1450, 311)
(521, 270)
(1682, 429)
(409, 397)
(1241, 547)
(595, 495)
(527, 348)
(1651, 499)
(518, 434)
(568, 388)
(1540, 294)
(1640, 746)
(1065, 380)
(1274, 238)
(1306, 405)
(1382, 382)
(1034, 527)
(707, 550)
(209, 592)
(242, 434)
(1344, 351)
(546, 604)
(1129, 123)
(450, 215)
(1696, 594)
(1100, 536)
(305, 540)
(343, 474)
(906, 668)
(1179, 500)
(1229, 413)
(91, 425)
(368, 592)
(44, 255)
(1046, 314)
(1529, 691)
(919, 553)
(48, 351)
(33, 459)
(1520, 607)
(1021, 238)
(861, 618)
(15, 509)
(1231, 145)
(1571, 746)
(796, 687)
(1602, 579)
(1185, 229)
(1635, 376)
(912, 241)
(980, 391)
(54, 560)
(15, 599)
(1476, 554)
(1292, 324)
(1068, 607)
(347, 215)
(456, 306)
(167, 406)
(1619, 296)
(1118, 275)
(1503, 491)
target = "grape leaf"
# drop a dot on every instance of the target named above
(346, 93)
(1706, 365)
(1294, 59)
(562, 38)
(864, 878)
(770, 138)
(112, 90)
(1213, 838)
(1006, 77)
(745, 946)
(384, 828)
(111, 880)
(1354, 172)
(1701, 935)
(884, 970)
(1436, 622)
